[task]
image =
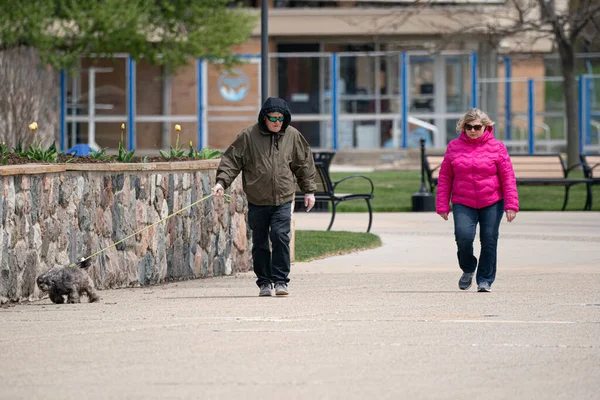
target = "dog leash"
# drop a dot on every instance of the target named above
(225, 196)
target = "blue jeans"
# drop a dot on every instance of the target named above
(465, 223)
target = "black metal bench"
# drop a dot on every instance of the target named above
(591, 169)
(326, 192)
(530, 169)
(433, 162)
(324, 157)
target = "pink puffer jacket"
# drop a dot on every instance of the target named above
(476, 173)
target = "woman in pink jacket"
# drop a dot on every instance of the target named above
(478, 178)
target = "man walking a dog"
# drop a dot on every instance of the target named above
(271, 155)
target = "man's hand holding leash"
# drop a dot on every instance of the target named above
(218, 190)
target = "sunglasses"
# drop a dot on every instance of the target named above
(468, 127)
(275, 119)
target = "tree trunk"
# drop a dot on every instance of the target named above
(567, 54)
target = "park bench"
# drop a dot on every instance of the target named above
(326, 192)
(591, 169)
(433, 162)
(530, 169)
(324, 157)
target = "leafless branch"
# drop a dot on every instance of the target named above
(591, 16)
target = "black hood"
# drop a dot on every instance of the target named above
(274, 104)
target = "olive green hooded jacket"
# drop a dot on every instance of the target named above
(270, 163)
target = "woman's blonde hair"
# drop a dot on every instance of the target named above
(472, 115)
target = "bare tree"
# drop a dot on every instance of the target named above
(564, 24)
(568, 24)
(29, 93)
(570, 27)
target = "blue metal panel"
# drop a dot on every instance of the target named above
(507, 97)
(131, 103)
(531, 114)
(334, 99)
(581, 110)
(404, 93)
(588, 109)
(63, 111)
(246, 56)
(200, 86)
(474, 79)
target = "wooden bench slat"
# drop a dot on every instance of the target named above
(539, 174)
(551, 181)
(435, 160)
(593, 162)
(539, 164)
(541, 168)
(537, 160)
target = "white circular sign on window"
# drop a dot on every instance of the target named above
(233, 85)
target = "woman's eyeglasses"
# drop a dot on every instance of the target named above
(468, 127)
(275, 119)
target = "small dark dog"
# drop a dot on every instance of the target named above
(70, 281)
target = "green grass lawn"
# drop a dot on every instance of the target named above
(311, 245)
(394, 190)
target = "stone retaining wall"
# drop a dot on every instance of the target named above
(53, 215)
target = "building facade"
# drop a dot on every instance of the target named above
(396, 69)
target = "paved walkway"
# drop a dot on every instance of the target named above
(386, 323)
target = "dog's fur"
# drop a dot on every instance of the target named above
(70, 281)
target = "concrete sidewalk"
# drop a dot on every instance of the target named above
(388, 322)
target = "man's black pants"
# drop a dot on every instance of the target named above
(273, 222)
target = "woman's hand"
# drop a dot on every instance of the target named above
(510, 215)
(444, 215)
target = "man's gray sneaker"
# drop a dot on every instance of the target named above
(281, 289)
(484, 287)
(266, 290)
(465, 280)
